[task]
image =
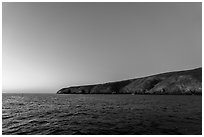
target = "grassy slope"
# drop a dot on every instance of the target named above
(179, 82)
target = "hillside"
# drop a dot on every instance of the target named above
(178, 82)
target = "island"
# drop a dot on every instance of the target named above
(186, 82)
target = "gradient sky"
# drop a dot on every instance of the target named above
(48, 46)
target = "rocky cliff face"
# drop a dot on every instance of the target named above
(179, 82)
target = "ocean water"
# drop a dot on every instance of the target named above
(94, 114)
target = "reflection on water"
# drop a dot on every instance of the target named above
(101, 114)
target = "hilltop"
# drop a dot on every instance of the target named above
(177, 82)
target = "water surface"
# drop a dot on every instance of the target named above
(101, 114)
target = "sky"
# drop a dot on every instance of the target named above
(48, 46)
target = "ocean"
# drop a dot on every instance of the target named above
(97, 114)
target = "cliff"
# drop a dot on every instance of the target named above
(178, 82)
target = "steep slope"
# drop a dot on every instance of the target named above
(178, 82)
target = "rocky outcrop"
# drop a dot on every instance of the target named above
(179, 82)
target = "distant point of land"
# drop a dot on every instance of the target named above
(187, 82)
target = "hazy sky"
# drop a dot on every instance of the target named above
(47, 46)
